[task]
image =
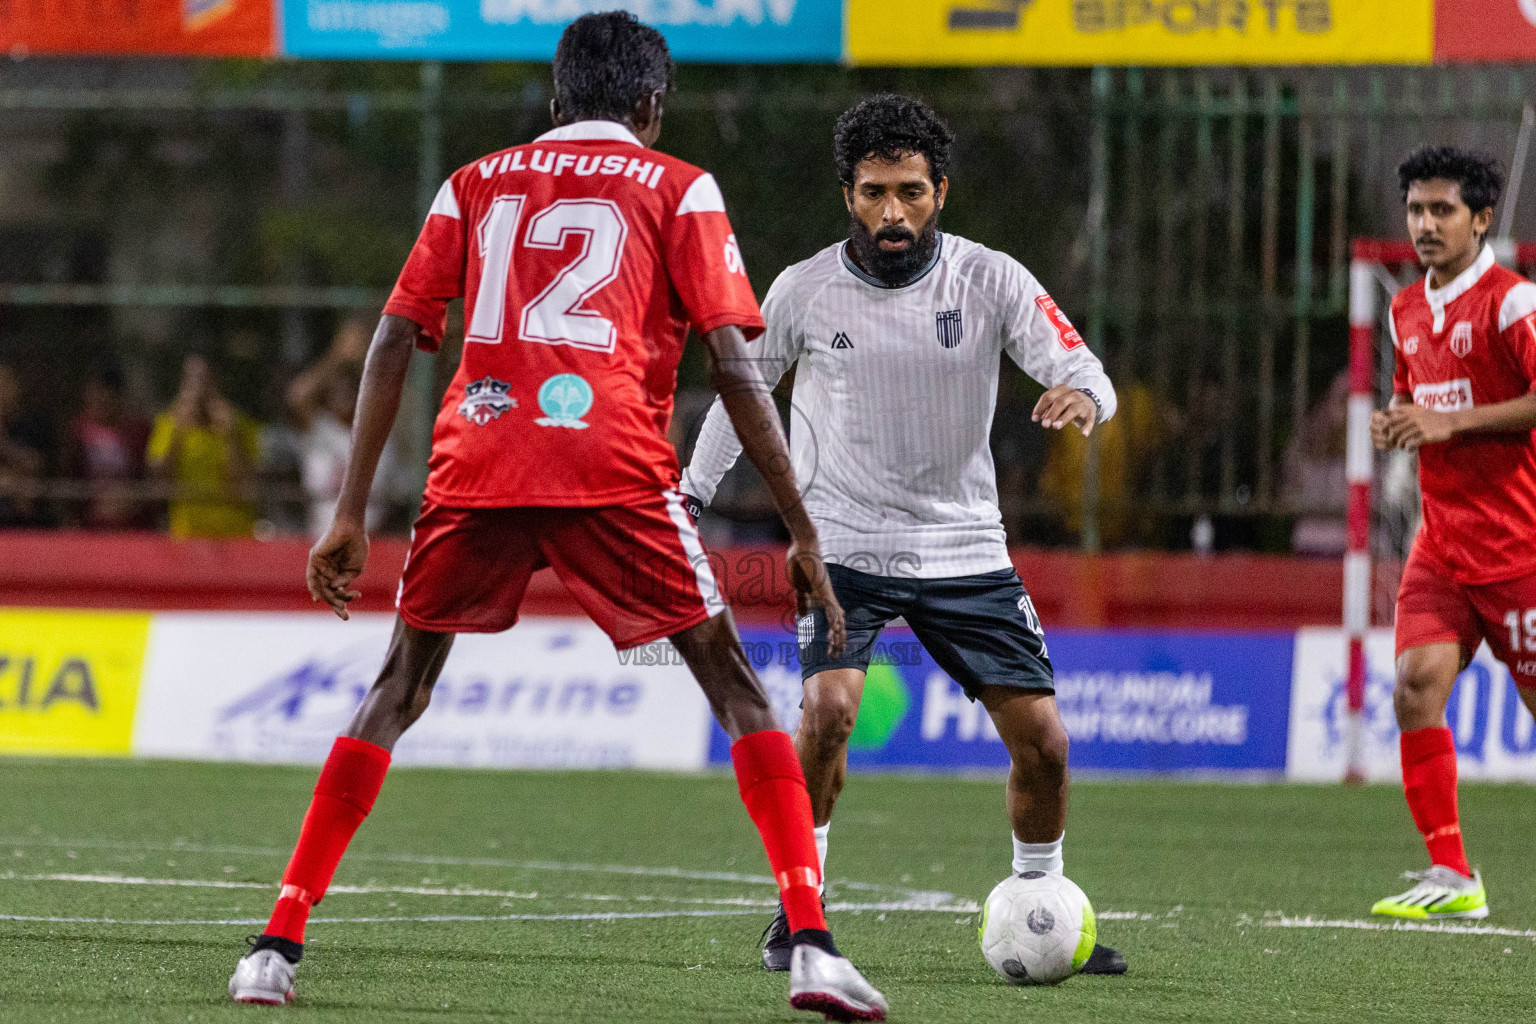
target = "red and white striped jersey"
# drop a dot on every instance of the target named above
(1468, 344)
(583, 258)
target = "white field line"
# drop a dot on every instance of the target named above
(220, 883)
(903, 892)
(947, 906)
(1436, 927)
(651, 915)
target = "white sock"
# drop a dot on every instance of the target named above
(821, 850)
(1037, 856)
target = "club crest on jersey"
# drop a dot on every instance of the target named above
(1461, 339)
(950, 328)
(565, 398)
(485, 400)
(840, 340)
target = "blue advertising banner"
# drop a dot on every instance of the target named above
(1131, 701)
(724, 31)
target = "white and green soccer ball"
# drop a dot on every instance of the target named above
(1037, 928)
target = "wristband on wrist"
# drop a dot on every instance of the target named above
(1097, 405)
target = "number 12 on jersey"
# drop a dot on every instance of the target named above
(556, 315)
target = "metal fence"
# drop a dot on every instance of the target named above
(1195, 223)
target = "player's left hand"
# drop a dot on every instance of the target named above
(1064, 405)
(1409, 426)
(335, 563)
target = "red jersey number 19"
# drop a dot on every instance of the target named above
(556, 315)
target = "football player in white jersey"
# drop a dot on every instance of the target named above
(896, 335)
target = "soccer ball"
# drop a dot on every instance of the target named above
(1037, 928)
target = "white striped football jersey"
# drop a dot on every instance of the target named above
(894, 394)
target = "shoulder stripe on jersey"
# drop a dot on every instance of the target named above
(703, 196)
(1519, 303)
(446, 204)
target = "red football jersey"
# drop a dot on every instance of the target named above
(1473, 343)
(583, 258)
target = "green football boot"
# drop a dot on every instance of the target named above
(1440, 893)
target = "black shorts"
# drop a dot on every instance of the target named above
(982, 629)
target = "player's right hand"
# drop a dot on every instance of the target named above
(1381, 435)
(335, 563)
(808, 574)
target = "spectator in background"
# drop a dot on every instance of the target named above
(105, 446)
(1315, 483)
(21, 457)
(322, 400)
(207, 450)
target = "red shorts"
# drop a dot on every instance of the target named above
(638, 570)
(1432, 608)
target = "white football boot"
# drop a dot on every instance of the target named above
(265, 976)
(831, 986)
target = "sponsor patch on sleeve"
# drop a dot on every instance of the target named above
(1066, 334)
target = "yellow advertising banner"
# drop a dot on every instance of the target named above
(1140, 32)
(69, 681)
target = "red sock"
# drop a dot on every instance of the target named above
(773, 788)
(1429, 781)
(349, 784)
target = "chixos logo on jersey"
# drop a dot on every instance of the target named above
(565, 398)
(1449, 396)
(485, 400)
(1461, 339)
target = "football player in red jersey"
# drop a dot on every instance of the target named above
(1463, 398)
(583, 258)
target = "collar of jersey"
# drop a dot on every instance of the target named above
(875, 282)
(1439, 298)
(591, 131)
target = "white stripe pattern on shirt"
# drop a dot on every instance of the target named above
(895, 390)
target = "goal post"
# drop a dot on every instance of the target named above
(1378, 269)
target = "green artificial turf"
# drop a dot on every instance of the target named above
(1197, 870)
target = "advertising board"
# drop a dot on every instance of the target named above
(756, 31)
(69, 681)
(213, 28)
(551, 693)
(1086, 32)
(1495, 736)
(1485, 30)
(1132, 701)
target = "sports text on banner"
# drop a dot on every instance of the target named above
(1078, 32)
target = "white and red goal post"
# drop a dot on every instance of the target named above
(1377, 270)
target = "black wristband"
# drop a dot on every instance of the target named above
(1098, 405)
(693, 507)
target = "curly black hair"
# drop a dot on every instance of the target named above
(889, 126)
(607, 63)
(1480, 178)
